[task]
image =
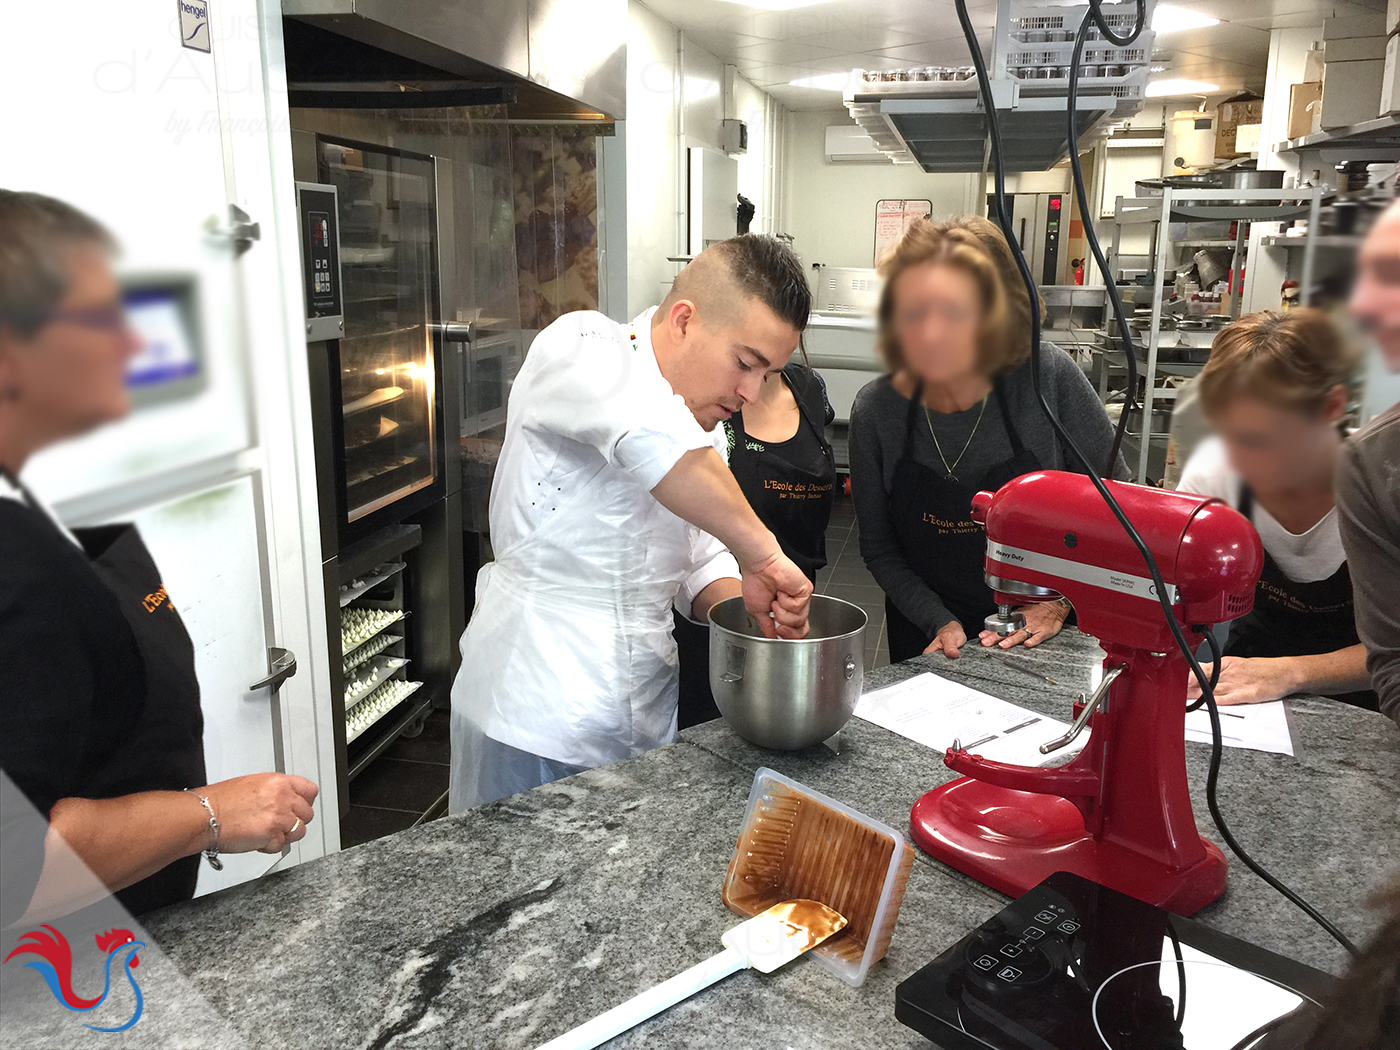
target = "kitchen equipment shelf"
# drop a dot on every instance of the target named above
(385, 668)
(348, 644)
(1188, 204)
(1377, 139)
(357, 587)
(376, 706)
(368, 651)
(1322, 240)
(385, 395)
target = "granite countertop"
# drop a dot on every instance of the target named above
(507, 925)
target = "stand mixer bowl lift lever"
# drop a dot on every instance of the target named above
(1089, 707)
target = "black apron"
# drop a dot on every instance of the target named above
(1297, 619)
(164, 749)
(792, 499)
(932, 516)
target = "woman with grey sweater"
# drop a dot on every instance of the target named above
(957, 414)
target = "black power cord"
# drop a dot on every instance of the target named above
(1125, 338)
(1214, 643)
(1003, 220)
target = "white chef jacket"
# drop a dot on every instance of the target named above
(569, 654)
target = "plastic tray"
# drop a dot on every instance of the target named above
(797, 843)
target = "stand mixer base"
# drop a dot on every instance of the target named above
(1013, 840)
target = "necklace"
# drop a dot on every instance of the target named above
(928, 418)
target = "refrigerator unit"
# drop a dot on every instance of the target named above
(374, 224)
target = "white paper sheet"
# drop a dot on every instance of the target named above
(1258, 727)
(934, 711)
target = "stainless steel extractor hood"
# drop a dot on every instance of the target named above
(950, 133)
(551, 59)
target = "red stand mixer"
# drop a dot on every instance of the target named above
(1119, 813)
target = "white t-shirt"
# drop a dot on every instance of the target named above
(1304, 557)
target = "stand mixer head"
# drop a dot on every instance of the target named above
(1119, 813)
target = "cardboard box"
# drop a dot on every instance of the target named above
(1351, 92)
(1354, 49)
(1390, 90)
(1303, 99)
(1368, 23)
(1230, 116)
(1247, 137)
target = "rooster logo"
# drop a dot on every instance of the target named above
(54, 963)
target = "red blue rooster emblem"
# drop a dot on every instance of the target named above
(54, 963)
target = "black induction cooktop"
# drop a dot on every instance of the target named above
(1073, 965)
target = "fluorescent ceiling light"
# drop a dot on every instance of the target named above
(775, 5)
(1174, 86)
(1169, 19)
(825, 81)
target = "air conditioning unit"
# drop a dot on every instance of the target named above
(849, 143)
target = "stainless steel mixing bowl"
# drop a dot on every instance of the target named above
(782, 693)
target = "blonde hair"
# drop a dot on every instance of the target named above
(951, 245)
(1289, 359)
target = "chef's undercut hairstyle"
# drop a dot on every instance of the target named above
(1290, 359)
(756, 266)
(36, 235)
(946, 244)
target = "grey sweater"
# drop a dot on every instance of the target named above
(877, 442)
(1368, 511)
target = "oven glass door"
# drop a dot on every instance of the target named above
(388, 371)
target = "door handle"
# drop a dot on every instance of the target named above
(282, 664)
(242, 232)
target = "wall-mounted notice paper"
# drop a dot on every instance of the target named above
(1258, 727)
(935, 711)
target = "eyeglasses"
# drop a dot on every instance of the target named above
(949, 313)
(110, 318)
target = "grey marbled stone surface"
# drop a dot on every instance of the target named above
(505, 926)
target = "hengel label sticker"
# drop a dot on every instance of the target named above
(1093, 575)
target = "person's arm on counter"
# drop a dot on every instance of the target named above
(122, 840)
(879, 545)
(1258, 679)
(1368, 511)
(701, 489)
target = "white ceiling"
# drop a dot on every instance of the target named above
(771, 48)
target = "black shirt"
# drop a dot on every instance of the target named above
(73, 681)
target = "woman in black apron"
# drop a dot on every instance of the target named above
(956, 415)
(1291, 619)
(1275, 391)
(100, 722)
(791, 485)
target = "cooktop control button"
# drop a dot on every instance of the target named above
(1046, 916)
(1068, 926)
(1009, 974)
(985, 962)
(1033, 933)
(1011, 950)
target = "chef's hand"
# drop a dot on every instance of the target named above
(1043, 620)
(777, 594)
(1247, 680)
(950, 638)
(262, 811)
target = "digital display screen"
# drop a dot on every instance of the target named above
(168, 351)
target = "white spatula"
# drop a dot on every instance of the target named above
(767, 941)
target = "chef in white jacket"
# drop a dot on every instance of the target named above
(611, 503)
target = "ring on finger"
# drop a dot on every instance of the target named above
(293, 829)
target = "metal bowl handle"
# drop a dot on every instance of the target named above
(850, 667)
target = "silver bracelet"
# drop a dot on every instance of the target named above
(211, 852)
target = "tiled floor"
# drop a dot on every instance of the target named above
(407, 784)
(402, 787)
(846, 577)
